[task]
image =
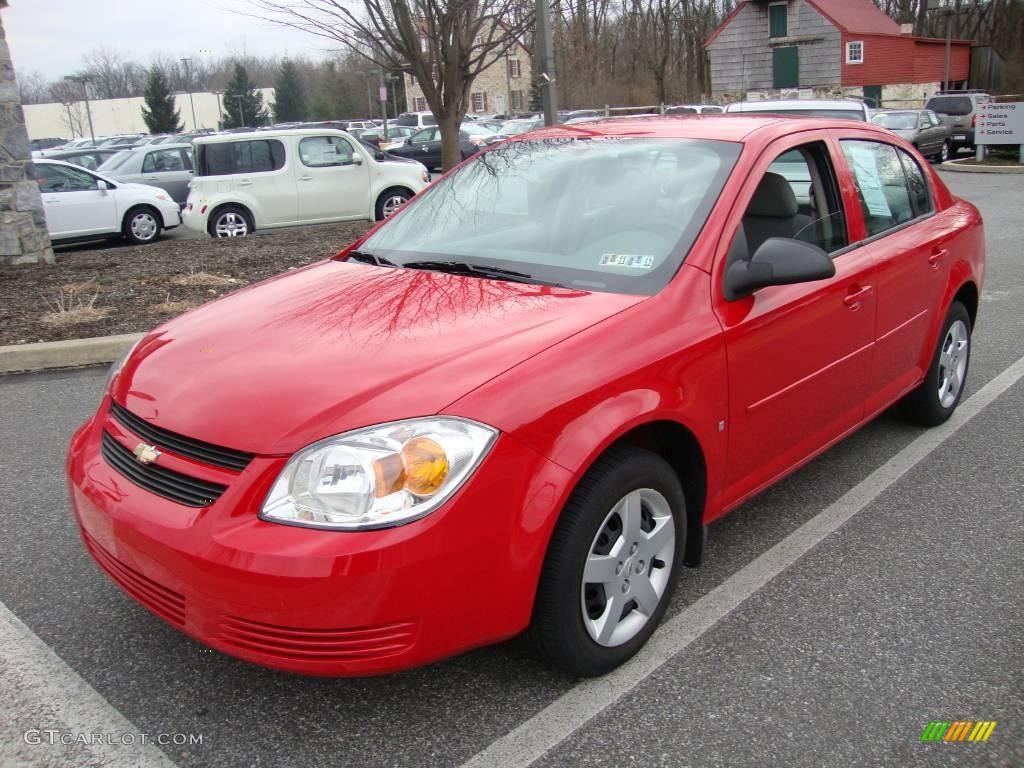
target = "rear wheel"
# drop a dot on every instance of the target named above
(611, 565)
(939, 394)
(141, 225)
(230, 221)
(943, 154)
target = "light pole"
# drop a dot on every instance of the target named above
(369, 94)
(84, 80)
(383, 93)
(71, 123)
(546, 60)
(188, 84)
(220, 113)
(393, 79)
(241, 111)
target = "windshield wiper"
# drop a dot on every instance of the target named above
(369, 258)
(478, 270)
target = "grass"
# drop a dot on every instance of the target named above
(71, 308)
(168, 307)
(194, 278)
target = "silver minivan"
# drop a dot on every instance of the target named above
(168, 166)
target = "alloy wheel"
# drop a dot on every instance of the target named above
(953, 363)
(944, 152)
(627, 571)
(231, 224)
(391, 204)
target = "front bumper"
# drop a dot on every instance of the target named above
(323, 602)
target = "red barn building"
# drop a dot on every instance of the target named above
(828, 48)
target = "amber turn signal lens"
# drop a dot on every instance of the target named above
(426, 466)
(389, 473)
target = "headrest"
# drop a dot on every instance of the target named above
(773, 197)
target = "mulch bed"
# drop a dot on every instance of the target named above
(123, 289)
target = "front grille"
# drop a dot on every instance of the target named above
(319, 644)
(163, 482)
(162, 601)
(179, 444)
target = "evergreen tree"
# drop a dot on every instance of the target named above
(243, 104)
(159, 113)
(289, 94)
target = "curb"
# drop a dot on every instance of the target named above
(949, 165)
(17, 358)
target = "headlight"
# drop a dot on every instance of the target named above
(161, 196)
(118, 364)
(425, 175)
(378, 477)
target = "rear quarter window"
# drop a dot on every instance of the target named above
(224, 159)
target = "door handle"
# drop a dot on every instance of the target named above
(152, 178)
(856, 295)
(245, 183)
(307, 177)
(937, 255)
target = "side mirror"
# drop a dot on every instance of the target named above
(357, 160)
(101, 185)
(778, 261)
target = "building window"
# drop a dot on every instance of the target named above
(423, 43)
(513, 68)
(517, 101)
(855, 52)
(419, 104)
(479, 101)
(778, 20)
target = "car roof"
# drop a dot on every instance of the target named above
(736, 127)
(275, 133)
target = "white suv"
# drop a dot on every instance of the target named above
(81, 204)
(266, 179)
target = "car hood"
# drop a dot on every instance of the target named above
(905, 133)
(338, 345)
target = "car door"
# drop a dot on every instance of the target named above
(73, 203)
(799, 355)
(170, 169)
(264, 179)
(426, 145)
(897, 229)
(333, 179)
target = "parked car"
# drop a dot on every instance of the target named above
(90, 159)
(517, 404)
(516, 127)
(81, 204)
(39, 145)
(694, 109)
(123, 141)
(397, 134)
(417, 119)
(960, 110)
(425, 144)
(83, 143)
(260, 180)
(168, 166)
(842, 108)
(921, 127)
(566, 115)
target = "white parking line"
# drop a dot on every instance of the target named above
(40, 692)
(545, 730)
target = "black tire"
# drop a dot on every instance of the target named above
(142, 225)
(944, 152)
(387, 197)
(923, 405)
(223, 216)
(557, 631)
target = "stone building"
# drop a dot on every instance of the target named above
(23, 235)
(827, 48)
(502, 88)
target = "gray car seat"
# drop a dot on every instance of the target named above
(772, 212)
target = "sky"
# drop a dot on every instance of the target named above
(51, 36)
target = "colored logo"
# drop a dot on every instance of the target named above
(958, 730)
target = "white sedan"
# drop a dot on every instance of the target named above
(81, 204)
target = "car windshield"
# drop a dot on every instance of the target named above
(896, 121)
(593, 213)
(116, 161)
(515, 127)
(950, 105)
(475, 130)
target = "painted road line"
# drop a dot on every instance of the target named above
(41, 693)
(532, 739)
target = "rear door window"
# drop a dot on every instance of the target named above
(325, 151)
(887, 197)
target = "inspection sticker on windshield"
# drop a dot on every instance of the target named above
(628, 260)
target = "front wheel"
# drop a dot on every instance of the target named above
(938, 395)
(611, 565)
(390, 201)
(943, 153)
(230, 221)
(141, 225)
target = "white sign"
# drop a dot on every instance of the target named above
(1000, 123)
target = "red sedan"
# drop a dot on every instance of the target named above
(518, 403)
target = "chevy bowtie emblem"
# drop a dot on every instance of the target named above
(146, 454)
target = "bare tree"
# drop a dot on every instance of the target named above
(444, 44)
(113, 76)
(33, 88)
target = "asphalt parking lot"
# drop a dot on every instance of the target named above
(875, 590)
